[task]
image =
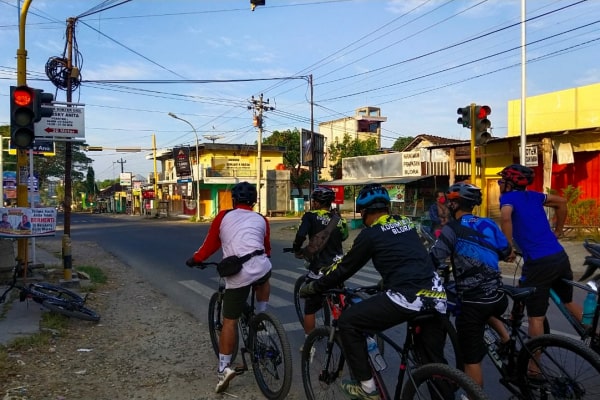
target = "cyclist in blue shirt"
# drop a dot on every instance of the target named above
(546, 263)
(475, 245)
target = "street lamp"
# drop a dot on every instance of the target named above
(197, 165)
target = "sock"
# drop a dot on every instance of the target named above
(224, 361)
(261, 306)
(368, 386)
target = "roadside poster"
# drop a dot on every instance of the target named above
(19, 222)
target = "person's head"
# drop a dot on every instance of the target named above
(440, 197)
(515, 177)
(373, 200)
(322, 197)
(243, 193)
(24, 218)
(462, 197)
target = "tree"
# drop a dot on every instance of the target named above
(401, 143)
(349, 148)
(299, 177)
(47, 167)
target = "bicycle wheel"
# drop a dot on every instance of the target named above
(425, 382)
(69, 309)
(215, 324)
(323, 366)
(43, 291)
(322, 317)
(271, 356)
(567, 369)
(452, 352)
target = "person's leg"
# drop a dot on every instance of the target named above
(262, 289)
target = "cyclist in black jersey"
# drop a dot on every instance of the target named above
(313, 222)
(409, 280)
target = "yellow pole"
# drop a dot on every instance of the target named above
(156, 199)
(473, 137)
(22, 154)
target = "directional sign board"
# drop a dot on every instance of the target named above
(66, 122)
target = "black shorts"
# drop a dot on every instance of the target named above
(543, 274)
(470, 324)
(234, 300)
(312, 304)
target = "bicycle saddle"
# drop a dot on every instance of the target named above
(517, 293)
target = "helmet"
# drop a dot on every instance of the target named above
(372, 196)
(518, 174)
(469, 194)
(323, 195)
(244, 192)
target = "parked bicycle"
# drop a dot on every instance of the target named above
(324, 364)
(53, 297)
(263, 339)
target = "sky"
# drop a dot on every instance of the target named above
(203, 60)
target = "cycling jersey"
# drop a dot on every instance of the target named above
(314, 222)
(400, 258)
(239, 232)
(475, 245)
(530, 226)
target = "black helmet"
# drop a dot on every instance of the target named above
(323, 195)
(244, 192)
(467, 194)
(372, 196)
(518, 174)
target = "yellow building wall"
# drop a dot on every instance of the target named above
(575, 108)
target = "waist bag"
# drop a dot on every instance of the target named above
(233, 264)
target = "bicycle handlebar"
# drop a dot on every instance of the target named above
(351, 291)
(202, 265)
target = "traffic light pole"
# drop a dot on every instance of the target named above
(473, 139)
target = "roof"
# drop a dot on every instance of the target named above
(434, 140)
(390, 180)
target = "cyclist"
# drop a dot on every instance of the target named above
(409, 280)
(475, 245)
(438, 213)
(545, 262)
(238, 232)
(313, 222)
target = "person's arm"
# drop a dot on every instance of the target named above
(302, 232)
(507, 228)
(559, 204)
(212, 242)
(267, 242)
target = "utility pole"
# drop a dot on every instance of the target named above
(258, 107)
(314, 172)
(121, 161)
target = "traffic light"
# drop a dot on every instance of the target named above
(22, 116)
(254, 3)
(43, 104)
(465, 116)
(482, 124)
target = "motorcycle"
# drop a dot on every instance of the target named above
(593, 260)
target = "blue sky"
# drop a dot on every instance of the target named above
(417, 60)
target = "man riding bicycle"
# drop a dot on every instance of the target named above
(410, 286)
(238, 232)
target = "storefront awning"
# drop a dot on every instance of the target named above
(390, 180)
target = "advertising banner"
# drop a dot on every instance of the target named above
(181, 155)
(19, 222)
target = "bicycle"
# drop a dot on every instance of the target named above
(263, 338)
(545, 367)
(323, 360)
(53, 297)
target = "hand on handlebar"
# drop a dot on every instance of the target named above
(190, 262)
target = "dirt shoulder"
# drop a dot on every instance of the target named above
(144, 347)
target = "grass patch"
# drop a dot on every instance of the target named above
(96, 275)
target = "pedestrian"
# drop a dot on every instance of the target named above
(409, 282)
(238, 232)
(313, 222)
(475, 245)
(438, 213)
(545, 262)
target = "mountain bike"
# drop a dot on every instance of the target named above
(53, 297)
(544, 367)
(324, 363)
(263, 339)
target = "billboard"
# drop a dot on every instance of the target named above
(307, 149)
(181, 155)
(19, 222)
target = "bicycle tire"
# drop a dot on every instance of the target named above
(452, 352)
(46, 291)
(323, 365)
(215, 324)
(74, 310)
(423, 382)
(568, 369)
(271, 356)
(322, 317)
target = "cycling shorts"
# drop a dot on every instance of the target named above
(234, 300)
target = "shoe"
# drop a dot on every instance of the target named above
(503, 349)
(354, 390)
(224, 378)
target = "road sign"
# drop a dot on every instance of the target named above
(40, 146)
(186, 180)
(67, 122)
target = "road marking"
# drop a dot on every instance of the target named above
(207, 292)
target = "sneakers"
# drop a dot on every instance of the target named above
(224, 378)
(503, 349)
(354, 390)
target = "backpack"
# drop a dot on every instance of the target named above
(317, 243)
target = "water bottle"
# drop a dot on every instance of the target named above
(376, 357)
(589, 308)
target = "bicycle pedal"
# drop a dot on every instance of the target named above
(239, 369)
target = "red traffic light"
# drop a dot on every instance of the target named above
(23, 97)
(483, 112)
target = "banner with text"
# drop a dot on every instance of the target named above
(19, 222)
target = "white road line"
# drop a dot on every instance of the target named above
(206, 292)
